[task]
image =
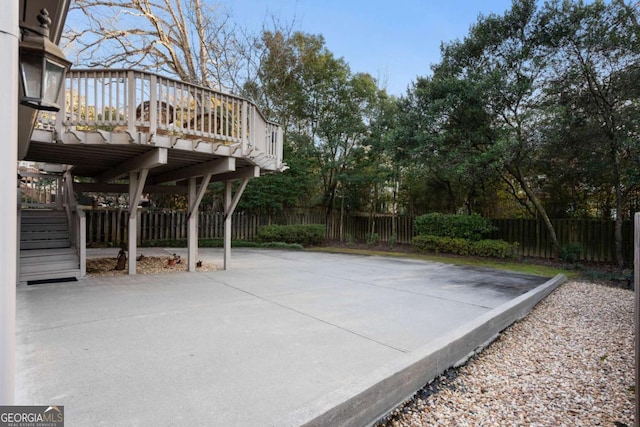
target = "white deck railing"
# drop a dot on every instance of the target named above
(136, 101)
(39, 190)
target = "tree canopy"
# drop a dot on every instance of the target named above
(534, 113)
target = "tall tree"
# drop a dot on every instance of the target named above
(447, 129)
(344, 115)
(593, 80)
(193, 40)
(501, 66)
(326, 110)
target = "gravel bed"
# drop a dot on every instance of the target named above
(570, 362)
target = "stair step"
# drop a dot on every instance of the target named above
(48, 258)
(45, 244)
(43, 212)
(33, 213)
(27, 228)
(39, 226)
(50, 216)
(46, 267)
(38, 253)
(45, 247)
(44, 235)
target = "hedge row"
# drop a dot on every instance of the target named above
(471, 227)
(458, 246)
(217, 243)
(270, 236)
(305, 234)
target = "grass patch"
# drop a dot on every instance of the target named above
(519, 267)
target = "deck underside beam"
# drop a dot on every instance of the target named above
(180, 188)
(217, 166)
(148, 160)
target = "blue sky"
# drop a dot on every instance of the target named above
(394, 41)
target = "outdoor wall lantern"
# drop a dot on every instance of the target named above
(42, 66)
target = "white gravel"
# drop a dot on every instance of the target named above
(570, 362)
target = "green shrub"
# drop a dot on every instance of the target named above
(373, 239)
(457, 246)
(437, 244)
(470, 227)
(307, 234)
(350, 239)
(571, 252)
(392, 241)
(494, 249)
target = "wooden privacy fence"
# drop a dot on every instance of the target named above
(364, 228)
(596, 237)
(109, 226)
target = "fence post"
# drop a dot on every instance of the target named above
(636, 285)
(138, 227)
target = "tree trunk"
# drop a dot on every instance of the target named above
(372, 212)
(620, 206)
(394, 219)
(618, 234)
(517, 174)
(620, 199)
(329, 198)
(342, 218)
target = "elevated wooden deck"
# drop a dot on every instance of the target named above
(138, 133)
(113, 122)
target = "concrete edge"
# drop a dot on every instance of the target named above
(368, 399)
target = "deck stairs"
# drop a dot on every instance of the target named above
(46, 252)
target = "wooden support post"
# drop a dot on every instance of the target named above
(133, 219)
(192, 235)
(136, 184)
(229, 207)
(82, 241)
(227, 224)
(195, 197)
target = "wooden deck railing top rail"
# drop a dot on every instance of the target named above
(109, 100)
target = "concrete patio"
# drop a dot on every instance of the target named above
(282, 338)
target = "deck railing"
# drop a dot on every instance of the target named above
(136, 101)
(39, 190)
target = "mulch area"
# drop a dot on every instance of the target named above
(144, 265)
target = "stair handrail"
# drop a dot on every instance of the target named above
(77, 221)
